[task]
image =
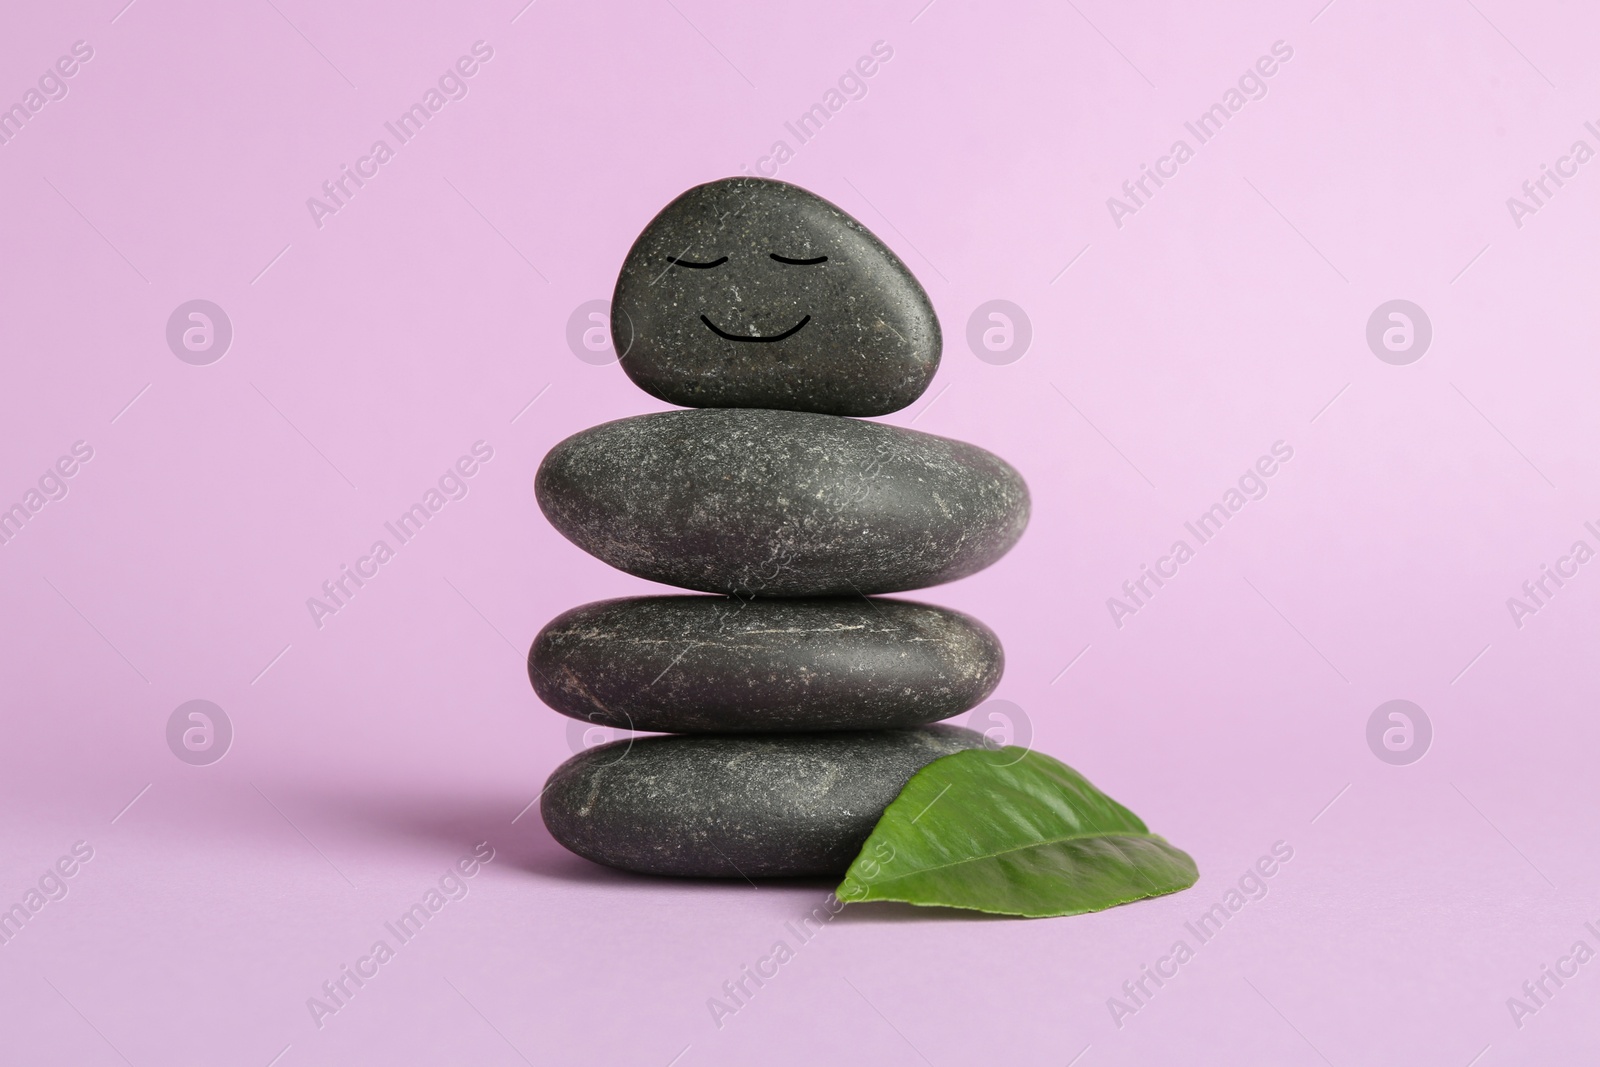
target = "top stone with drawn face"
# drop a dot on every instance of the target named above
(753, 293)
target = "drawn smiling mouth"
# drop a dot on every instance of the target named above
(725, 335)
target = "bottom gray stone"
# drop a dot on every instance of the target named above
(732, 806)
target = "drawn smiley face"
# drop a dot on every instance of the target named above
(748, 292)
(755, 338)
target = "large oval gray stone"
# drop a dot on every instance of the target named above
(739, 806)
(754, 293)
(703, 664)
(781, 503)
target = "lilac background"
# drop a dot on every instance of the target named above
(1228, 314)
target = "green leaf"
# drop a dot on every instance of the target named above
(1011, 832)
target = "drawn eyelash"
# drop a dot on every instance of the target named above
(675, 261)
(799, 262)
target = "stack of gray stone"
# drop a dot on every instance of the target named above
(798, 702)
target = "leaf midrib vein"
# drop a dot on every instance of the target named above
(1020, 848)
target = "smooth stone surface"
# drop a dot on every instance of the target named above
(781, 503)
(702, 664)
(739, 806)
(855, 335)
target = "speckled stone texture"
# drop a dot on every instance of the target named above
(744, 806)
(781, 503)
(853, 334)
(703, 664)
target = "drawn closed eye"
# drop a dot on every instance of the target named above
(799, 262)
(675, 261)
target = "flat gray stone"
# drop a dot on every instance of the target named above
(737, 806)
(781, 503)
(705, 314)
(706, 664)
